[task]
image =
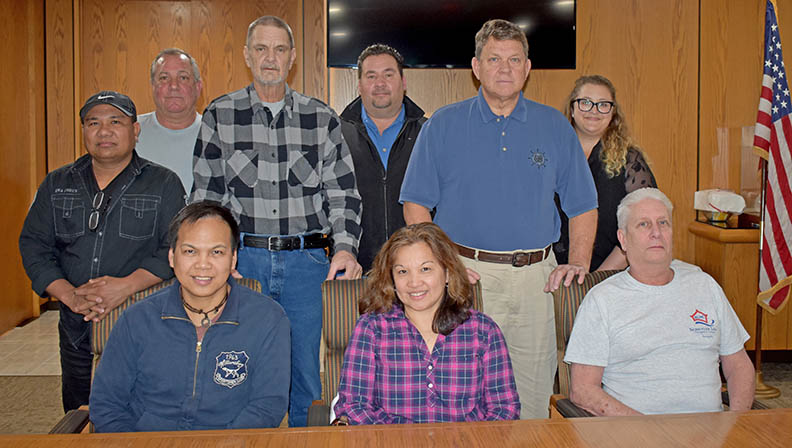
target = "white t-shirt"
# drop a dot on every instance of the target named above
(659, 345)
(171, 148)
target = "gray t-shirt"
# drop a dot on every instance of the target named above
(659, 345)
(171, 148)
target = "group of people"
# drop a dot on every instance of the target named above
(285, 191)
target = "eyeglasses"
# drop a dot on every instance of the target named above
(585, 105)
(98, 206)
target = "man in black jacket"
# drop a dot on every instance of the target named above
(380, 127)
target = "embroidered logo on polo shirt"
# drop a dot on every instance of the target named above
(231, 369)
(538, 158)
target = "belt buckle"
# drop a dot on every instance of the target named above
(270, 240)
(514, 261)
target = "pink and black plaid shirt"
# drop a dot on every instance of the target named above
(389, 376)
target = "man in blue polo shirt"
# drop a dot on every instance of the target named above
(490, 166)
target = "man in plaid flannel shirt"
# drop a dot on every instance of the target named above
(277, 160)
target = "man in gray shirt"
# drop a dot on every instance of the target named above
(167, 135)
(649, 340)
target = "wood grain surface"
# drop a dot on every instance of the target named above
(767, 428)
(22, 132)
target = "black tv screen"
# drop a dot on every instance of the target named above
(440, 33)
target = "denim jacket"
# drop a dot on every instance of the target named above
(56, 242)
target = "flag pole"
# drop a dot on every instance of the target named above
(762, 390)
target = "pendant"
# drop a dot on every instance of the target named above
(205, 322)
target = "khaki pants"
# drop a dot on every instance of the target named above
(514, 299)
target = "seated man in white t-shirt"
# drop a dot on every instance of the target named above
(648, 340)
(168, 134)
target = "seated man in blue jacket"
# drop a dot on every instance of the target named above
(204, 353)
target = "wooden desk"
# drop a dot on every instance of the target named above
(731, 257)
(760, 428)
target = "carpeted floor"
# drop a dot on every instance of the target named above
(31, 404)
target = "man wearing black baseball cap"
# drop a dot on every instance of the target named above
(97, 231)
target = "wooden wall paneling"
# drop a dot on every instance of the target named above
(647, 48)
(119, 39)
(730, 69)
(59, 32)
(22, 131)
(315, 49)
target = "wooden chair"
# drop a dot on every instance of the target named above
(340, 314)
(567, 301)
(77, 420)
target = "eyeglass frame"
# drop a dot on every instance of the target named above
(97, 210)
(612, 104)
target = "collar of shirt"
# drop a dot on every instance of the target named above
(83, 167)
(258, 106)
(397, 317)
(383, 142)
(520, 111)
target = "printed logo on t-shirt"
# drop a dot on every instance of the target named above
(231, 368)
(702, 325)
(538, 159)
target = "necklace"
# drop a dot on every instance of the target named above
(205, 322)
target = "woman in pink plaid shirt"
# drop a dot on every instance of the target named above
(419, 353)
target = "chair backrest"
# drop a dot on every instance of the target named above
(101, 330)
(340, 314)
(566, 301)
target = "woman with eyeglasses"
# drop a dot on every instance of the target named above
(617, 165)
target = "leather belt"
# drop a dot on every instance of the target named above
(276, 243)
(516, 259)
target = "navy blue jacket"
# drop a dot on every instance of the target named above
(155, 376)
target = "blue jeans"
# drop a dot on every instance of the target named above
(293, 279)
(75, 357)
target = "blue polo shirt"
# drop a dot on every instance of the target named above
(383, 142)
(492, 178)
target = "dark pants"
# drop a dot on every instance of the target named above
(76, 359)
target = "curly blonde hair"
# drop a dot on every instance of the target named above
(616, 140)
(380, 293)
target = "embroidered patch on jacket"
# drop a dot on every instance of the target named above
(538, 158)
(231, 369)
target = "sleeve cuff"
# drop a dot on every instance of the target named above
(157, 267)
(44, 279)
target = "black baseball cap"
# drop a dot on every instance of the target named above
(115, 99)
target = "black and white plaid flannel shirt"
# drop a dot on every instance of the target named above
(291, 174)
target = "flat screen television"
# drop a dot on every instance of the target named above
(440, 33)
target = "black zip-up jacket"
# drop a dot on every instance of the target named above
(379, 189)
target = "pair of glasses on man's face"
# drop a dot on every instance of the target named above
(585, 105)
(98, 205)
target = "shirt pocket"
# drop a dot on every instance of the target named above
(304, 168)
(459, 381)
(69, 216)
(138, 216)
(242, 168)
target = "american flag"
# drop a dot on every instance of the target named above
(772, 139)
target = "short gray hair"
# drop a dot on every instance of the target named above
(500, 30)
(627, 203)
(175, 52)
(270, 21)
